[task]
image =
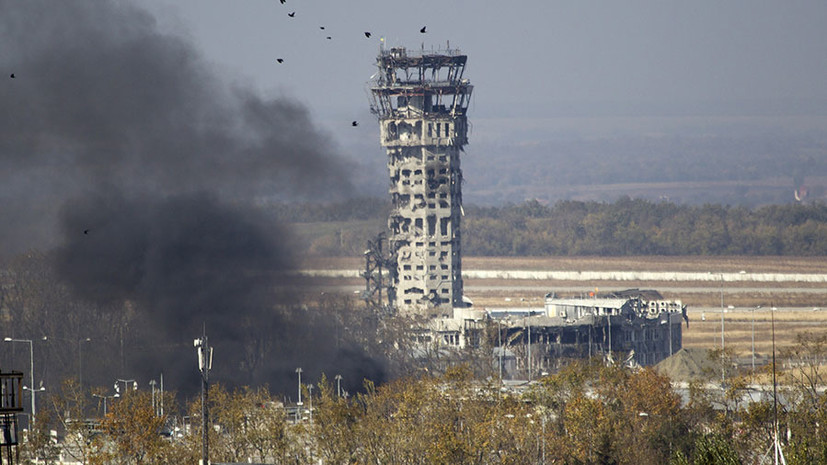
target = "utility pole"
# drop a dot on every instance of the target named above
(204, 365)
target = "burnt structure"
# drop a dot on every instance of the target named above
(634, 327)
(11, 391)
(421, 99)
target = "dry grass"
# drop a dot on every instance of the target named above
(738, 329)
(696, 295)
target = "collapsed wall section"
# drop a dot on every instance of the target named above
(421, 100)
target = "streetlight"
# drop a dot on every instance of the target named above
(126, 383)
(34, 391)
(722, 312)
(500, 347)
(753, 338)
(152, 384)
(310, 401)
(80, 361)
(104, 397)
(31, 369)
(528, 325)
(723, 365)
(299, 372)
(299, 403)
(338, 379)
(204, 352)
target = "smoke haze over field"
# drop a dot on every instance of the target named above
(123, 149)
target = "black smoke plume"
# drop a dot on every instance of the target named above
(121, 148)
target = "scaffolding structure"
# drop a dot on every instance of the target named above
(377, 263)
(11, 391)
(421, 99)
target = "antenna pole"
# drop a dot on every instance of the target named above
(776, 445)
(204, 352)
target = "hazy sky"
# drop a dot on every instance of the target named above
(552, 57)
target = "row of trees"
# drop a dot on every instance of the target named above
(587, 413)
(571, 228)
(640, 227)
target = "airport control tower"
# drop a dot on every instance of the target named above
(421, 99)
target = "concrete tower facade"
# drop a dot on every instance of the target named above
(421, 99)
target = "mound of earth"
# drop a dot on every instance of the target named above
(687, 365)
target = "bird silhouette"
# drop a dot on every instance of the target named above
(321, 27)
(291, 14)
(354, 124)
(423, 29)
(283, 1)
(328, 38)
(280, 60)
(85, 231)
(367, 34)
(12, 75)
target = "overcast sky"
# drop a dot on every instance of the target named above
(548, 57)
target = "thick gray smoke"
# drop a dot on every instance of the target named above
(184, 259)
(121, 148)
(100, 98)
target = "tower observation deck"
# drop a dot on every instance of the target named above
(421, 99)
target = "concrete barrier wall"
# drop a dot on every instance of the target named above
(608, 276)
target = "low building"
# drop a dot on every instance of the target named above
(636, 327)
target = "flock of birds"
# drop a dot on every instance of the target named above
(292, 14)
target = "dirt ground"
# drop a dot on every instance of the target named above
(802, 307)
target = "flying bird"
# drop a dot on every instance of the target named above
(367, 34)
(12, 75)
(328, 37)
(423, 29)
(321, 27)
(85, 231)
(291, 14)
(283, 1)
(354, 124)
(280, 60)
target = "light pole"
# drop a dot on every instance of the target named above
(528, 325)
(80, 361)
(299, 372)
(723, 364)
(31, 369)
(104, 397)
(310, 401)
(500, 348)
(152, 384)
(126, 383)
(204, 352)
(33, 391)
(338, 379)
(722, 312)
(753, 338)
(299, 403)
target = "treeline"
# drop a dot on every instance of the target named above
(585, 413)
(576, 228)
(641, 227)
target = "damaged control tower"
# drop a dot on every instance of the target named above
(421, 99)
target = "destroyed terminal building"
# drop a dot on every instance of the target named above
(421, 99)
